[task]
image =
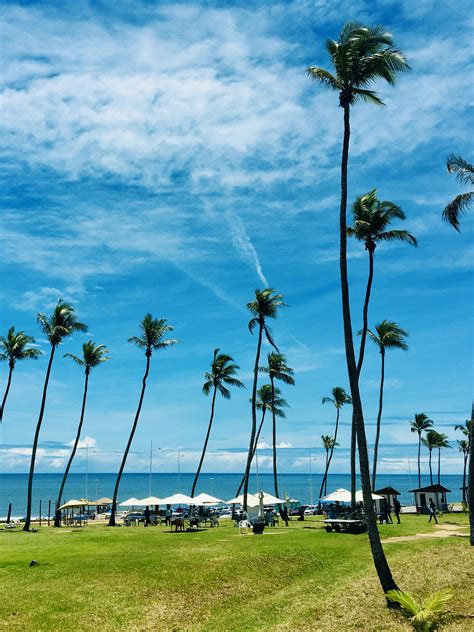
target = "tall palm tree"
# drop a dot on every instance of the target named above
(265, 305)
(59, 325)
(222, 373)
(92, 355)
(14, 348)
(339, 398)
(464, 428)
(360, 56)
(430, 441)
(441, 442)
(465, 175)
(151, 338)
(266, 401)
(387, 335)
(329, 443)
(277, 369)
(463, 447)
(420, 424)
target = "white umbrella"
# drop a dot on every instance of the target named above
(74, 503)
(177, 499)
(360, 498)
(340, 495)
(151, 500)
(269, 499)
(130, 502)
(206, 499)
(252, 501)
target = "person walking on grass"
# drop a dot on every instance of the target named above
(147, 513)
(397, 508)
(432, 508)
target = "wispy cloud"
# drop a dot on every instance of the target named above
(244, 245)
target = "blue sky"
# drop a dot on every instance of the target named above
(172, 158)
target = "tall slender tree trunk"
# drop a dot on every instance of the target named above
(327, 468)
(57, 514)
(112, 522)
(254, 415)
(9, 381)
(380, 561)
(353, 462)
(274, 438)
(35, 442)
(439, 466)
(326, 473)
(419, 455)
(464, 480)
(431, 471)
(379, 419)
(257, 437)
(198, 471)
(470, 489)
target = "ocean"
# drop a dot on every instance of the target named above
(304, 487)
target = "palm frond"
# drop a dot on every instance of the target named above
(463, 169)
(399, 235)
(75, 358)
(456, 208)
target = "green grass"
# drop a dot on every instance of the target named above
(295, 578)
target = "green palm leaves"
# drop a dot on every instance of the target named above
(60, 324)
(222, 373)
(424, 615)
(388, 335)
(265, 305)
(152, 331)
(339, 397)
(420, 424)
(266, 402)
(92, 355)
(328, 442)
(464, 172)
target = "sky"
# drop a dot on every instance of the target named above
(173, 157)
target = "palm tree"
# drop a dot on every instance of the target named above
(329, 443)
(14, 348)
(441, 442)
(267, 400)
(463, 447)
(222, 373)
(151, 338)
(59, 325)
(388, 335)
(465, 175)
(470, 479)
(430, 441)
(277, 369)
(464, 428)
(359, 57)
(420, 424)
(265, 305)
(339, 398)
(92, 356)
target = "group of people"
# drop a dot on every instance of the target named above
(385, 514)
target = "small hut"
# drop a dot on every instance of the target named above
(102, 504)
(423, 495)
(389, 493)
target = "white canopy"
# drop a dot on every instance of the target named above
(269, 499)
(178, 499)
(103, 501)
(151, 500)
(252, 501)
(359, 497)
(74, 503)
(341, 495)
(206, 499)
(131, 501)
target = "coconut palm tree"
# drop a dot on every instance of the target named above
(464, 172)
(329, 443)
(430, 441)
(265, 306)
(360, 57)
(59, 325)
(339, 398)
(151, 338)
(222, 373)
(420, 424)
(441, 442)
(267, 400)
(464, 428)
(277, 369)
(387, 335)
(92, 355)
(463, 447)
(14, 348)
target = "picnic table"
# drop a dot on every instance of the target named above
(347, 525)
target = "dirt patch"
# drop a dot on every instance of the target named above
(442, 531)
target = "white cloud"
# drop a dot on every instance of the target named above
(86, 442)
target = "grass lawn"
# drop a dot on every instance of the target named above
(287, 579)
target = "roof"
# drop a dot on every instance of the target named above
(387, 490)
(103, 501)
(431, 488)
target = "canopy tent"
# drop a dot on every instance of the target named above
(150, 501)
(341, 495)
(178, 499)
(252, 501)
(130, 502)
(103, 501)
(206, 499)
(75, 503)
(360, 498)
(269, 499)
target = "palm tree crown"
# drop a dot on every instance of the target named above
(372, 218)
(264, 400)
(360, 56)
(431, 440)
(92, 355)
(441, 440)
(464, 428)
(277, 368)
(328, 442)
(152, 332)
(465, 174)
(421, 423)
(265, 306)
(339, 397)
(388, 335)
(62, 323)
(463, 446)
(14, 347)
(222, 372)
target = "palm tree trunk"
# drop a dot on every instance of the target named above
(439, 466)
(379, 419)
(325, 478)
(254, 415)
(365, 313)
(431, 471)
(380, 561)
(327, 467)
(9, 381)
(257, 437)
(127, 449)
(464, 480)
(198, 471)
(419, 454)
(470, 491)
(353, 462)
(35, 442)
(274, 438)
(57, 514)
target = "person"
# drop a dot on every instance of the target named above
(301, 514)
(432, 508)
(397, 507)
(386, 511)
(284, 515)
(269, 518)
(168, 515)
(146, 513)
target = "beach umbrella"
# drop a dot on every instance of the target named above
(341, 495)
(177, 499)
(103, 501)
(252, 501)
(130, 502)
(269, 499)
(360, 498)
(151, 500)
(206, 499)
(74, 503)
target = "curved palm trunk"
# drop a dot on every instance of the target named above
(439, 466)
(275, 475)
(431, 471)
(419, 455)
(254, 416)
(470, 491)
(130, 439)
(257, 437)
(379, 419)
(57, 515)
(353, 462)
(9, 381)
(328, 461)
(380, 561)
(198, 471)
(35, 442)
